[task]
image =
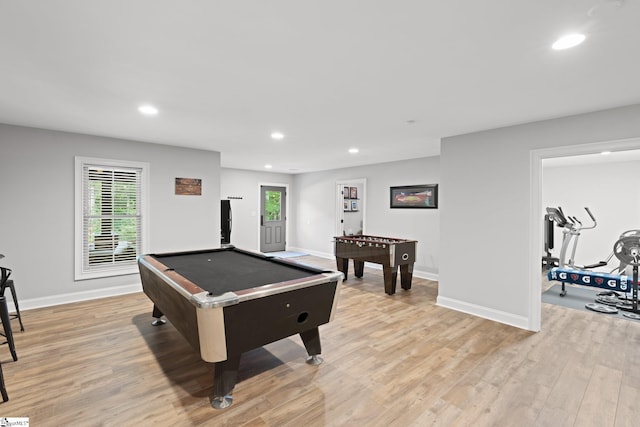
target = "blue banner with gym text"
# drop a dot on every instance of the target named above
(591, 278)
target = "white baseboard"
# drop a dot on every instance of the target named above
(426, 275)
(484, 312)
(310, 252)
(136, 286)
(53, 300)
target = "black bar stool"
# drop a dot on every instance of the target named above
(4, 283)
(6, 325)
(6, 322)
(3, 390)
(5, 318)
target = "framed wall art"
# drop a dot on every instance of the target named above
(353, 193)
(189, 186)
(414, 196)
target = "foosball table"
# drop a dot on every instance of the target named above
(390, 252)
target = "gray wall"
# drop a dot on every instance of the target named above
(485, 249)
(37, 219)
(316, 209)
(490, 205)
(246, 211)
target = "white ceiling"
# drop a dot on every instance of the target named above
(593, 158)
(388, 77)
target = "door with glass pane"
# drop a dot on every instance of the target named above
(272, 218)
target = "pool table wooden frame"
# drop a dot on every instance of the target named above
(222, 327)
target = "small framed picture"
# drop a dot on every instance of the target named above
(347, 206)
(189, 186)
(354, 193)
(354, 205)
(346, 192)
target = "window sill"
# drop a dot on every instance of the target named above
(111, 272)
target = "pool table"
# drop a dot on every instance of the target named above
(227, 301)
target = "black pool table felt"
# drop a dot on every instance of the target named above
(228, 271)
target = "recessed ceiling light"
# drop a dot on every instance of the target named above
(148, 110)
(268, 166)
(353, 150)
(604, 153)
(568, 41)
(277, 135)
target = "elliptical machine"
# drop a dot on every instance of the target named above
(626, 250)
(572, 228)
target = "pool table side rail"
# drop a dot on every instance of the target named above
(277, 288)
(202, 299)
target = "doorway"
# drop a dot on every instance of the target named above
(537, 210)
(273, 218)
(350, 207)
(599, 229)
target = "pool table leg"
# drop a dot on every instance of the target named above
(311, 340)
(157, 314)
(225, 375)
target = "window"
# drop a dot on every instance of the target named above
(109, 216)
(272, 205)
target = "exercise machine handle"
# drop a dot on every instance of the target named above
(557, 216)
(592, 219)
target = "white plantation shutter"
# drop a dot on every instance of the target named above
(110, 223)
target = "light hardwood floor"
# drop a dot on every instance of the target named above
(389, 361)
